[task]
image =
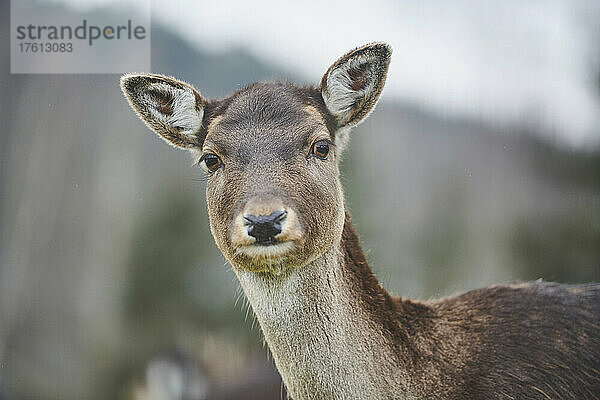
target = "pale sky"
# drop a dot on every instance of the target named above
(510, 61)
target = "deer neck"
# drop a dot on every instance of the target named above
(328, 323)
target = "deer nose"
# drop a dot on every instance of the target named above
(264, 228)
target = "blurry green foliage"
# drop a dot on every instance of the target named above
(563, 248)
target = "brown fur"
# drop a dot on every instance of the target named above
(359, 80)
(334, 332)
(529, 340)
(164, 101)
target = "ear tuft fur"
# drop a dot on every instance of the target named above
(353, 84)
(171, 108)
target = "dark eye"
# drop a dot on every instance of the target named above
(320, 149)
(212, 161)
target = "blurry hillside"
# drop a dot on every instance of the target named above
(111, 286)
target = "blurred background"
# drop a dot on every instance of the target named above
(480, 165)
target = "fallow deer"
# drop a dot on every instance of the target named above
(277, 213)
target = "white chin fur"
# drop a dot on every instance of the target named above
(272, 251)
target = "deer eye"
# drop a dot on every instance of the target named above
(320, 149)
(212, 161)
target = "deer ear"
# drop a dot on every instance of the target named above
(352, 85)
(169, 107)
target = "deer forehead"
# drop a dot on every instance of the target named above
(267, 119)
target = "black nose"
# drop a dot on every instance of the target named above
(264, 228)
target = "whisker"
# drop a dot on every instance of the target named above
(199, 179)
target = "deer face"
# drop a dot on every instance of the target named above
(273, 193)
(271, 154)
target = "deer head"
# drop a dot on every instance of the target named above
(271, 153)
